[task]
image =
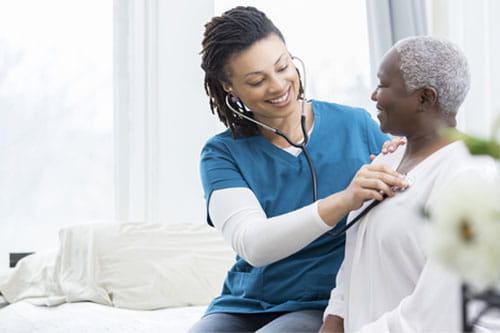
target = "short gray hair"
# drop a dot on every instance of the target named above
(435, 62)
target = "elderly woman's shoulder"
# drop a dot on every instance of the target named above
(464, 162)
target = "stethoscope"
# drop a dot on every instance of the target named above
(302, 145)
(409, 179)
(243, 112)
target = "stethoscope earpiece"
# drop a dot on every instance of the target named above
(234, 99)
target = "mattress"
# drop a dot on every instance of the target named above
(25, 317)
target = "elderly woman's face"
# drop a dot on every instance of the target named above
(397, 108)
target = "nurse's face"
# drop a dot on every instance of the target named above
(397, 108)
(265, 79)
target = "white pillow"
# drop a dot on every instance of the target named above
(139, 265)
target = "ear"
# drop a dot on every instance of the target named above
(227, 88)
(428, 97)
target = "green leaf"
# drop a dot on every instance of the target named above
(476, 146)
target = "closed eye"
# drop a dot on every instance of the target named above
(256, 84)
(284, 68)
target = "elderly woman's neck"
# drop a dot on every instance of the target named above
(425, 143)
(428, 136)
(420, 145)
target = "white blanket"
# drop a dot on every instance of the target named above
(128, 265)
(85, 317)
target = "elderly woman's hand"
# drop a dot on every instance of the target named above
(391, 145)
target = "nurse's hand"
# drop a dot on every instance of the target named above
(372, 182)
(391, 145)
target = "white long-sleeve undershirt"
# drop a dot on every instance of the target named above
(237, 214)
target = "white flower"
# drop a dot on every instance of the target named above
(465, 230)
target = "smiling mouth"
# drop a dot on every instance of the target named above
(281, 99)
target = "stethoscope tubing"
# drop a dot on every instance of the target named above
(301, 145)
(347, 226)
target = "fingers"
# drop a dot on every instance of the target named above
(378, 186)
(371, 194)
(372, 157)
(374, 185)
(367, 189)
(391, 145)
(373, 182)
(383, 173)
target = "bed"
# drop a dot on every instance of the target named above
(116, 277)
(24, 317)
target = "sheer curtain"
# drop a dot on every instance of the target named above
(473, 25)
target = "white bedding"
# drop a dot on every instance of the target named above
(24, 317)
(116, 277)
(136, 266)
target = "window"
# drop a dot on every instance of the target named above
(56, 119)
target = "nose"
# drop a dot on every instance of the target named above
(374, 95)
(276, 83)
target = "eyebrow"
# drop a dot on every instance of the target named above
(259, 72)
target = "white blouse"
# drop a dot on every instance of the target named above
(387, 283)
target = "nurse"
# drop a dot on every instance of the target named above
(259, 189)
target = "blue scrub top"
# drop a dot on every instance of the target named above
(341, 142)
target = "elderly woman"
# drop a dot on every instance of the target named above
(387, 282)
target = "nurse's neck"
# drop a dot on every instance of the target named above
(291, 127)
